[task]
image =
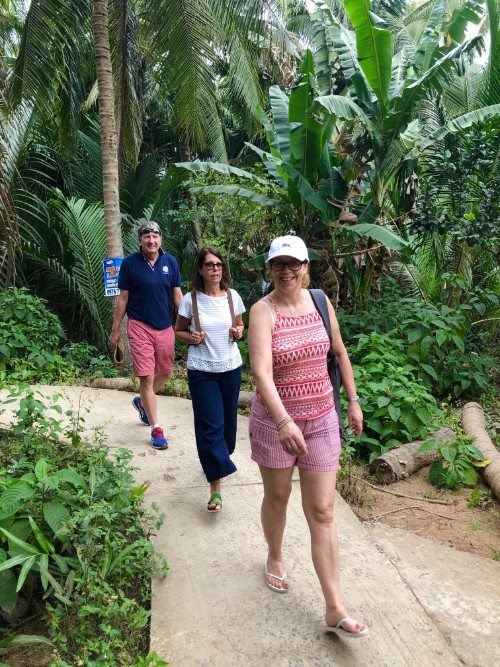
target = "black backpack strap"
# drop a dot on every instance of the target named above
(319, 300)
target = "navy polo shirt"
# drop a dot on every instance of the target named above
(149, 288)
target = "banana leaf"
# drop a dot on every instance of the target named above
(374, 47)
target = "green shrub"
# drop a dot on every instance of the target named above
(74, 531)
(435, 341)
(31, 338)
(457, 467)
(397, 407)
(84, 360)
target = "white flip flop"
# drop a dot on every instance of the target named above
(338, 630)
(275, 576)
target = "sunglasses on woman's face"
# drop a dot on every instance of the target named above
(213, 265)
(294, 265)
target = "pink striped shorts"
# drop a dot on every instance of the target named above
(320, 433)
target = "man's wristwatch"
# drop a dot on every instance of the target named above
(353, 398)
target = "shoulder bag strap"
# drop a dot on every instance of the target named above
(231, 307)
(319, 299)
(196, 315)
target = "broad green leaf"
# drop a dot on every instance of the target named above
(45, 544)
(374, 47)
(383, 401)
(394, 412)
(469, 476)
(304, 188)
(61, 563)
(344, 108)
(172, 179)
(448, 452)
(23, 640)
(426, 446)
(279, 105)
(441, 337)
(8, 593)
(380, 234)
(44, 565)
(428, 38)
(41, 469)
(437, 474)
(14, 562)
(25, 570)
(207, 167)
(25, 546)
(471, 11)
(56, 515)
(413, 335)
(272, 139)
(72, 477)
(237, 191)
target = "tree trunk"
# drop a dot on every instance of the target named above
(403, 461)
(473, 424)
(185, 151)
(109, 140)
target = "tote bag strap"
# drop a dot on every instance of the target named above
(231, 307)
(196, 315)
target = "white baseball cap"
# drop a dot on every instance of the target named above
(288, 246)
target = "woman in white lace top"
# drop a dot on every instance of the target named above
(214, 365)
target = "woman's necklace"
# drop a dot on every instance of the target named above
(292, 309)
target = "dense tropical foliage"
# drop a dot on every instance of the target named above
(370, 128)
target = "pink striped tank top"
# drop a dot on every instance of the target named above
(300, 345)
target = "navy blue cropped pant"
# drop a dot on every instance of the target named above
(215, 401)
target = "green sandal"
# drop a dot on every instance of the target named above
(216, 504)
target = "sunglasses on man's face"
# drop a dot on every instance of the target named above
(150, 230)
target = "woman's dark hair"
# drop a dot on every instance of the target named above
(197, 283)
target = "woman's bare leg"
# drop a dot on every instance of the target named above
(277, 488)
(318, 495)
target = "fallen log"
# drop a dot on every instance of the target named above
(401, 462)
(180, 389)
(473, 424)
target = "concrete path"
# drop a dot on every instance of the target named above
(425, 603)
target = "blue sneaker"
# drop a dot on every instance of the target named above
(158, 440)
(136, 402)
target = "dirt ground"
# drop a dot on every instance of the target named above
(424, 510)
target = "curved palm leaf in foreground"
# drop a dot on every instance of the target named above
(83, 277)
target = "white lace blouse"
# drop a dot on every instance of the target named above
(217, 353)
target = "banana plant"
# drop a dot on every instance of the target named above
(306, 179)
(384, 90)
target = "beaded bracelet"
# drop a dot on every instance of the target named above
(283, 422)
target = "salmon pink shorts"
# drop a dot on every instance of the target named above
(320, 433)
(152, 350)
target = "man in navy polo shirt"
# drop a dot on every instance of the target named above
(148, 281)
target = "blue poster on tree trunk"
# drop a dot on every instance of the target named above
(111, 268)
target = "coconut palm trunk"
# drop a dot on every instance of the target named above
(109, 138)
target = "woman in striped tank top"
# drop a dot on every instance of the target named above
(293, 421)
